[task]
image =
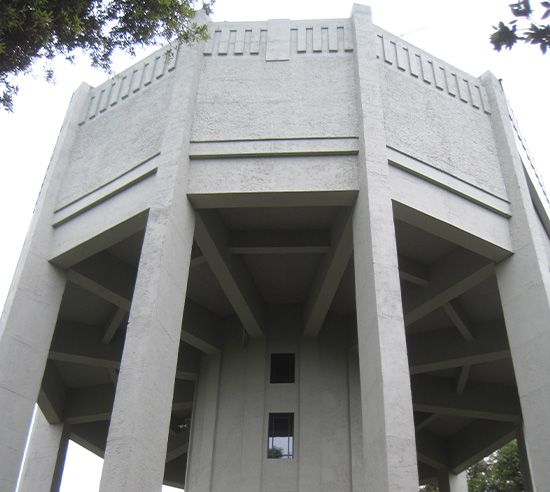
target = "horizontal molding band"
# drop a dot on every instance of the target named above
(122, 182)
(449, 182)
(213, 149)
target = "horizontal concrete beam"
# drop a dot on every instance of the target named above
(413, 271)
(81, 344)
(476, 441)
(106, 276)
(455, 274)
(95, 403)
(459, 320)
(76, 242)
(119, 317)
(52, 395)
(423, 420)
(200, 328)
(301, 241)
(233, 277)
(431, 450)
(91, 436)
(432, 394)
(329, 274)
(178, 444)
(443, 349)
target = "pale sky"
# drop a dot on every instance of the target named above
(456, 32)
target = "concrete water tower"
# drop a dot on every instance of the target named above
(300, 256)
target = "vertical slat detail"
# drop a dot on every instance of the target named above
(427, 74)
(115, 91)
(476, 96)
(389, 50)
(379, 47)
(340, 34)
(239, 42)
(136, 79)
(302, 42)
(209, 43)
(224, 41)
(172, 58)
(414, 60)
(247, 40)
(159, 65)
(332, 38)
(93, 106)
(148, 72)
(255, 41)
(348, 39)
(317, 40)
(104, 98)
(402, 62)
(439, 76)
(463, 89)
(485, 101)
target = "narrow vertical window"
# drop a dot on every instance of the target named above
(280, 436)
(282, 368)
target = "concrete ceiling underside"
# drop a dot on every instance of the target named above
(461, 373)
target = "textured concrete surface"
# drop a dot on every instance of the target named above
(385, 388)
(524, 284)
(138, 433)
(43, 467)
(29, 315)
(271, 134)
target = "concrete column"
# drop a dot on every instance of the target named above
(458, 483)
(387, 415)
(43, 467)
(309, 452)
(524, 285)
(449, 482)
(253, 449)
(524, 465)
(203, 434)
(30, 313)
(443, 480)
(138, 432)
(355, 419)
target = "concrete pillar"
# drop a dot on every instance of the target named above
(449, 482)
(138, 432)
(43, 467)
(524, 465)
(443, 480)
(387, 415)
(253, 449)
(458, 483)
(356, 430)
(524, 285)
(204, 420)
(30, 313)
(309, 452)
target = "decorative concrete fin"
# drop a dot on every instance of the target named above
(279, 39)
(129, 82)
(410, 60)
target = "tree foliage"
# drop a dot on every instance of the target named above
(499, 472)
(506, 35)
(31, 30)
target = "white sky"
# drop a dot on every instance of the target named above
(456, 32)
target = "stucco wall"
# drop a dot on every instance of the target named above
(122, 127)
(319, 400)
(437, 114)
(245, 96)
(441, 131)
